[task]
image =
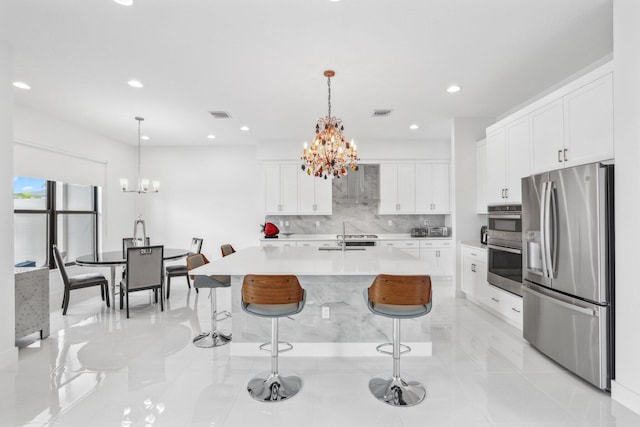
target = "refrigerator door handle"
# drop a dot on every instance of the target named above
(569, 306)
(543, 243)
(547, 231)
(553, 243)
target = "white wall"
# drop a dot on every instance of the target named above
(626, 387)
(209, 192)
(8, 351)
(466, 222)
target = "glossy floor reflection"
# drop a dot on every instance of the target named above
(100, 369)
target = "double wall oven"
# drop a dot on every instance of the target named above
(504, 244)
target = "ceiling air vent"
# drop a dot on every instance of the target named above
(381, 113)
(220, 114)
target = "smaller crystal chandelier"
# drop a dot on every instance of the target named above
(330, 153)
(143, 183)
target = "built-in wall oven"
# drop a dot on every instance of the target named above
(504, 267)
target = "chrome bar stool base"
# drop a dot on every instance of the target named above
(397, 391)
(267, 387)
(211, 339)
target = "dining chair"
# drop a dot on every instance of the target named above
(78, 281)
(179, 270)
(128, 242)
(144, 272)
(227, 249)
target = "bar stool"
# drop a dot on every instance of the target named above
(213, 338)
(398, 297)
(273, 297)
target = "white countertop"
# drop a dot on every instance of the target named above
(309, 237)
(307, 261)
(474, 244)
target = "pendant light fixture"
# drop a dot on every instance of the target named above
(330, 154)
(143, 183)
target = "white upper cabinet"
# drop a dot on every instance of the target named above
(547, 137)
(588, 114)
(574, 129)
(507, 161)
(281, 188)
(432, 188)
(314, 195)
(481, 176)
(397, 188)
(414, 188)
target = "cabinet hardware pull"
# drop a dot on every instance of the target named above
(473, 268)
(515, 309)
(503, 193)
(565, 154)
(559, 156)
(496, 300)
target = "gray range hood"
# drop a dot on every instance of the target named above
(358, 187)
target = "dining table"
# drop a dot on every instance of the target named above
(114, 259)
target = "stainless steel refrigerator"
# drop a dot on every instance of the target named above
(568, 271)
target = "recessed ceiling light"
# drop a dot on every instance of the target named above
(124, 2)
(135, 83)
(145, 137)
(244, 128)
(211, 136)
(453, 89)
(414, 127)
(334, 1)
(21, 85)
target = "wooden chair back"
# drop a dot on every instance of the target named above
(226, 249)
(400, 290)
(271, 289)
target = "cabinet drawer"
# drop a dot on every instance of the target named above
(507, 305)
(479, 255)
(316, 243)
(400, 244)
(436, 243)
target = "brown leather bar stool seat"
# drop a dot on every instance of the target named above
(273, 296)
(398, 297)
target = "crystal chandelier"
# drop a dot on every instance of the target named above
(330, 153)
(143, 183)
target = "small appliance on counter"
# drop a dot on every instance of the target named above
(438, 231)
(270, 230)
(483, 234)
(419, 232)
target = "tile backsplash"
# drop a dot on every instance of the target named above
(355, 201)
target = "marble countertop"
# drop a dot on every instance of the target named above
(308, 237)
(309, 261)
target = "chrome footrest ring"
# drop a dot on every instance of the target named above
(267, 347)
(403, 348)
(222, 315)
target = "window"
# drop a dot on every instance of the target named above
(50, 212)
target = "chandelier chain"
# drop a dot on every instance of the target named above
(329, 98)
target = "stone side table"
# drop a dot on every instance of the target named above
(32, 301)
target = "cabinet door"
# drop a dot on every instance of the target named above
(496, 166)
(518, 165)
(445, 258)
(589, 122)
(481, 177)
(388, 189)
(424, 188)
(306, 192)
(440, 181)
(468, 282)
(324, 201)
(289, 188)
(547, 137)
(406, 188)
(272, 189)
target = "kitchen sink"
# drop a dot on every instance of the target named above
(338, 248)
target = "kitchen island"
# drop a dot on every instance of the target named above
(335, 320)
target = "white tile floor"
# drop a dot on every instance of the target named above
(100, 369)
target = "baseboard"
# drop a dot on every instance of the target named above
(334, 349)
(9, 359)
(625, 396)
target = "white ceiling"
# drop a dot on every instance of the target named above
(262, 61)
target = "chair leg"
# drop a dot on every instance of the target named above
(188, 281)
(105, 291)
(127, 305)
(102, 292)
(161, 298)
(121, 297)
(168, 286)
(397, 391)
(273, 386)
(65, 301)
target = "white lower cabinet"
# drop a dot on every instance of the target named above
(476, 288)
(439, 255)
(316, 243)
(277, 243)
